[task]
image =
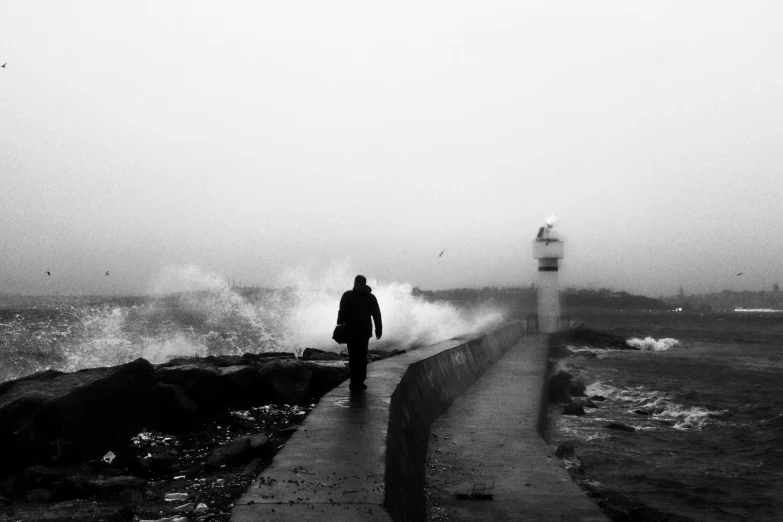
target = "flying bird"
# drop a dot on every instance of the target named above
(441, 253)
(3, 66)
(740, 273)
(48, 273)
(107, 272)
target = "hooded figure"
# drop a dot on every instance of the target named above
(358, 309)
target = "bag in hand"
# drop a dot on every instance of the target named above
(340, 334)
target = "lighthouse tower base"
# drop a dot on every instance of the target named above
(548, 249)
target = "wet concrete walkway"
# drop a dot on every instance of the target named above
(333, 467)
(488, 443)
(340, 461)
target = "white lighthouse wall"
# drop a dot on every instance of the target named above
(548, 302)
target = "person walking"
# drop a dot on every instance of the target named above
(358, 310)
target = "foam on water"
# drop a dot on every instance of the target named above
(656, 404)
(408, 321)
(600, 353)
(194, 312)
(649, 344)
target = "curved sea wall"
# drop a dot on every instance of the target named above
(426, 390)
(355, 455)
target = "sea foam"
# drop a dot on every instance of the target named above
(657, 405)
(648, 344)
(191, 311)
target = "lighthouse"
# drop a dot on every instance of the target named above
(548, 248)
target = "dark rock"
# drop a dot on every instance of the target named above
(38, 495)
(313, 354)
(131, 497)
(154, 464)
(224, 361)
(39, 377)
(111, 472)
(183, 414)
(577, 389)
(641, 412)
(68, 417)
(241, 387)
(565, 449)
(253, 468)
(619, 426)
(221, 361)
(561, 378)
(112, 485)
(4, 501)
(573, 409)
(258, 442)
(573, 465)
(199, 382)
(72, 487)
(586, 403)
(560, 351)
(238, 451)
(11, 487)
(558, 387)
(41, 477)
(597, 398)
(287, 382)
(559, 394)
(235, 452)
(77, 511)
(266, 356)
(325, 378)
(587, 337)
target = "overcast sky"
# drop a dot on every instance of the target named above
(253, 139)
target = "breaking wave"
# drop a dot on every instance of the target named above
(648, 344)
(191, 311)
(657, 405)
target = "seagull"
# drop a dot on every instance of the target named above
(441, 253)
(740, 273)
(48, 273)
(107, 272)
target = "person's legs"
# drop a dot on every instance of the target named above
(357, 362)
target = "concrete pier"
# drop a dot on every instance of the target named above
(363, 457)
(486, 459)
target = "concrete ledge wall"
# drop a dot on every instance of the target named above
(426, 390)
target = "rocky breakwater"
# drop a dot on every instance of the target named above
(581, 341)
(150, 441)
(567, 394)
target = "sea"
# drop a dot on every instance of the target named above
(704, 391)
(705, 394)
(69, 333)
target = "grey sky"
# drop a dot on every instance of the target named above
(253, 139)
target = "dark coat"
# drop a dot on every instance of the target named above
(357, 306)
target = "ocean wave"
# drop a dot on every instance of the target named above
(687, 418)
(658, 405)
(195, 312)
(600, 353)
(648, 344)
